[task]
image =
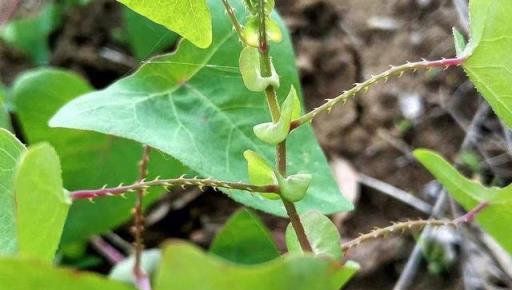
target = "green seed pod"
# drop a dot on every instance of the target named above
(275, 133)
(252, 31)
(251, 72)
(260, 173)
(294, 187)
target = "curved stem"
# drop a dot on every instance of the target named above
(358, 87)
(182, 182)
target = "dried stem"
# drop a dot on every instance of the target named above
(270, 93)
(167, 183)
(358, 87)
(141, 278)
(236, 24)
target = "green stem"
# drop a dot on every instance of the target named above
(265, 66)
(358, 87)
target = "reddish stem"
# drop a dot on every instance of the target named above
(109, 252)
(470, 216)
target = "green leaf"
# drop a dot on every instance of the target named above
(89, 160)
(10, 151)
(123, 271)
(41, 203)
(488, 62)
(18, 274)
(193, 105)
(146, 37)
(496, 218)
(275, 133)
(30, 35)
(460, 42)
(322, 235)
(250, 69)
(244, 239)
(190, 19)
(185, 266)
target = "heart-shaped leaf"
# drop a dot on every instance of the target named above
(244, 239)
(10, 151)
(496, 218)
(190, 19)
(89, 160)
(185, 266)
(322, 234)
(488, 63)
(194, 106)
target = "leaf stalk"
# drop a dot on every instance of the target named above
(394, 71)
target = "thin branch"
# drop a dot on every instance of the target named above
(396, 228)
(167, 183)
(236, 24)
(106, 250)
(364, 86)
(409, 226)
(141, 278)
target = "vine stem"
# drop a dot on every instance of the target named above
(141, 277)
(409, 226)
(181, 181)
(364, 86)
(236, 24)
(109, 252)
(270, 93)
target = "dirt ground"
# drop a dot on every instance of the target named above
(337, 43)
